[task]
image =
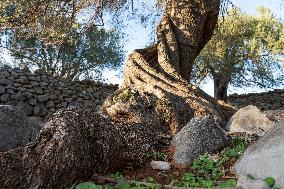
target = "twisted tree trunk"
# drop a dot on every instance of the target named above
(155, 99)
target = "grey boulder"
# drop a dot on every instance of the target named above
(249, 120)
(199, 136)
(265, 158)
(15, 128)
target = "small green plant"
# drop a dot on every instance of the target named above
(270, 181)
(227, 183)
(151, 183)
(190, 180)
(236, 150)
(207, 167)
(124, 96)
(88, 185)
(117, 176)
(122, 185)
(157, 156)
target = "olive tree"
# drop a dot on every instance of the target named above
(83, 55)
(244, 51)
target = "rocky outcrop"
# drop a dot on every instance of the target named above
(40, 94)
(16, 129)
(249, 120)
(199, 136)
(272, 100)
(265, 158)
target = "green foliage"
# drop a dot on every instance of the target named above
(190, 180)
(206, 166)
(124, 96)
(238, 148)
(83, 55)
(244, 51)
(157, 156)
(227, 183)
(120, 185)
(270, 181)
(88, 185)
(123, 185)
(117, 176)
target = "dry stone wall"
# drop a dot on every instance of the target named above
(40, 94)
(272, 100)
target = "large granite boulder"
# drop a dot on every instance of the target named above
(249, 120)
(15, 128)
(199, 136)
(265, 158)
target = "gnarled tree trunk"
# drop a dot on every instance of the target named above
(155, 99)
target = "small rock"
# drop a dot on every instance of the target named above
(34, 83)
(49, 104)
(28, 94)
(161, 165)
(32, 101)
(5, 82)
(5, 98)
(5, 74)
(246, 183)
(42, 98)
(2, 89)
(38, 90)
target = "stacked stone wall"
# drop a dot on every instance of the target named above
(272, 100)
(39, 94)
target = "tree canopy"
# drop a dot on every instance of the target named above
(84, 55)
(244, 51)
(53, 20)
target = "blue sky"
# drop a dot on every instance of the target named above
(139, 38)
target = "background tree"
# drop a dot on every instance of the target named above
(82, 55)
(244, 51)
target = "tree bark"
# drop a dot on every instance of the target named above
(221, 85)
(155, 99)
